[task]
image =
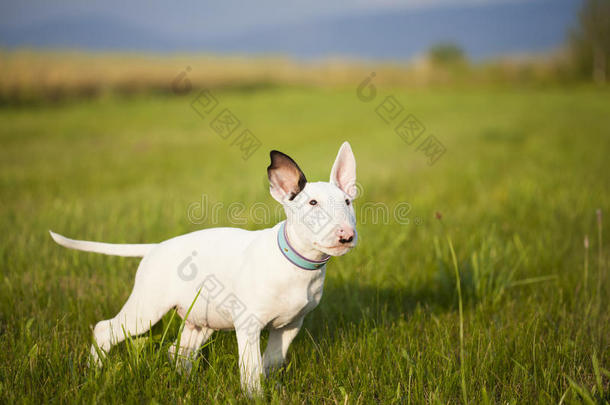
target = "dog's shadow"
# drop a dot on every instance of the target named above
(349, 302)
(350, 306)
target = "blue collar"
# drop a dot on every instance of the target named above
(293, 256)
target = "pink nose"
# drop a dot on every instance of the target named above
(346, 234)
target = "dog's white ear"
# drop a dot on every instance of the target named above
(286, 179)
(343, 173)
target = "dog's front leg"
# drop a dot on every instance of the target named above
(278, 343)
(250, 362)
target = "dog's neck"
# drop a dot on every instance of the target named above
(304, 248)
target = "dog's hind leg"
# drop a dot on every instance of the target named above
(137, 316)
(190, 341)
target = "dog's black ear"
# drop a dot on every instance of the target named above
(285, 177)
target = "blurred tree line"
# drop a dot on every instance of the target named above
(590, 40)
(588, 46)
(446, 53)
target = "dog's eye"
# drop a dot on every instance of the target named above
(347, 201)
(312, 202)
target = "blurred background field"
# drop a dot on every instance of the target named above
(34, 76)
(105, 145)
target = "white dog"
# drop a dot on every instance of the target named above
(229, 278)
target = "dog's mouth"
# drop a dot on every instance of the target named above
(336, 250)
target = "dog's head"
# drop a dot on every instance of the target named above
(321, 213)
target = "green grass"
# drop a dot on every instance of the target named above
(516, 191)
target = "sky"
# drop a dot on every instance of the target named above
(199, 16)
(244, 26)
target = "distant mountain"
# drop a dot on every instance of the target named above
(89, 32)
(482, 30)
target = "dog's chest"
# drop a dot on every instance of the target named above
(297, 298)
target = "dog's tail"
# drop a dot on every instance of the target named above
(126, 250)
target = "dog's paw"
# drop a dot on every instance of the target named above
(272, 364)
(183, 364)
(253, 390)
(94, 361)
(184, 367)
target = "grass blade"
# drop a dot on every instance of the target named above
(459, 290)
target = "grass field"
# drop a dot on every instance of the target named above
(516, 193)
